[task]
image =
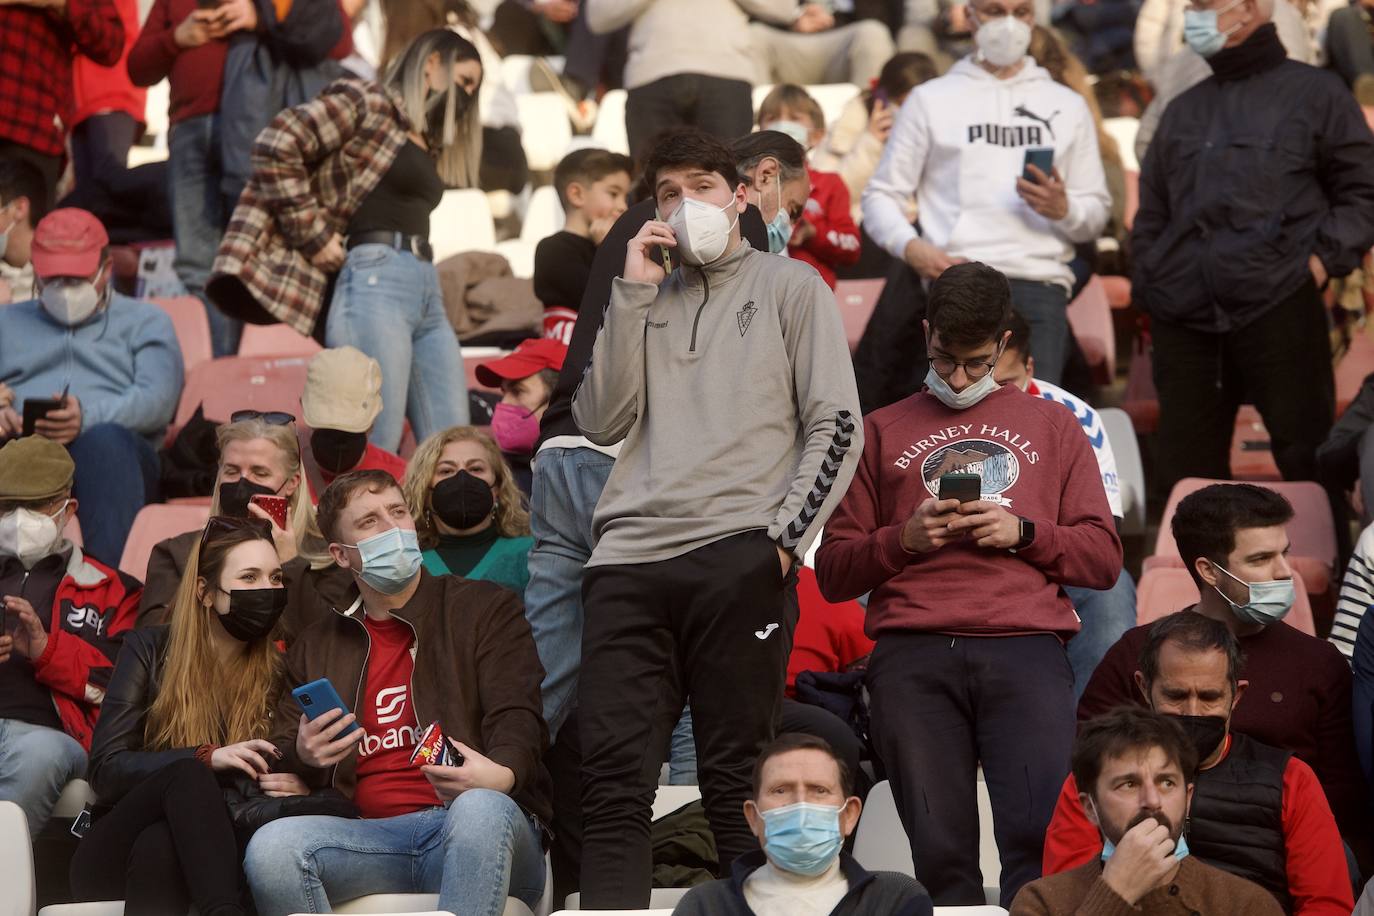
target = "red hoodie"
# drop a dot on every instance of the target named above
(1034, 460)
(836, 242)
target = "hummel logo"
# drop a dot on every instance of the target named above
(744, 316)
(658, 324)
(766, 631)
(391, 704)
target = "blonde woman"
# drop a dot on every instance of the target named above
(259, 455)
(188, 704)
(345, 185)
(468, 511)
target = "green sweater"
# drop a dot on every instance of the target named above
(486, 556)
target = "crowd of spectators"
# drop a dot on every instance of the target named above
(439, 619)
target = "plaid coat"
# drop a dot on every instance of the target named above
(312, 168)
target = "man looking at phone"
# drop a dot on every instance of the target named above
(65, 614)
(1004, 165)
(92, 370)
(410, 649)
(967, 602)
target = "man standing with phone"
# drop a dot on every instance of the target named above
(967, 602)
(967, 146)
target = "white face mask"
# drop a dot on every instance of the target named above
(703, 231)
(1002, 41)
(29, 535)
(794, 129)
(960, 400)
(69, 301)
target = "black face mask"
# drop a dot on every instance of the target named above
(1205, 733)
(253, 612)
(337, 451)
(233, 497)
(462, 501)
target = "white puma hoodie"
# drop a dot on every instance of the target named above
(959, 143)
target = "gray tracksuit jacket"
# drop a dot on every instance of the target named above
(733, 391)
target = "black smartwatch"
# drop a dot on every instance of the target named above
(1027, 534)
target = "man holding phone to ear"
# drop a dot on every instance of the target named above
(966, 595)
(1004, 165)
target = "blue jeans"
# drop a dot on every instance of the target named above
(682, 752)
(1045, 308)
(387, 304)
(116, 475)
(567, 484)
(199, 214)
(480, 849)
(35, 764)
(1106, 615)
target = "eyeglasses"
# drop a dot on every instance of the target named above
(944, 367)
(270, 417)
(218, 525)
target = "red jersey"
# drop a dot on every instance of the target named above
(387, 784)
(836, 242)
(829, 637)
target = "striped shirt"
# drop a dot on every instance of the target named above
(1357, 594)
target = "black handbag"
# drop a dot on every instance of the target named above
(250, 808)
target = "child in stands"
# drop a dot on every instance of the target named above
(526, 377)
(826, 237)
(591, 185)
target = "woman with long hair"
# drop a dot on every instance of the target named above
(188, 704)
(259, 455)
(469, 514)
(344, 186)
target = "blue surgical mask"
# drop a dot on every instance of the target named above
(780, 229)
(794, 129)
(802, 838)
(390, 559)
(1269, 601)
(1180, 849)
(1200, 29)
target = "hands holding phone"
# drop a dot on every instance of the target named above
(215, 20)
(274, 513)
(318, 743)
(1046, 194)
(477, 772)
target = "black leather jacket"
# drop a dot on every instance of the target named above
(118, 760)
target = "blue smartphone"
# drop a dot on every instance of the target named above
(1042, 157)
(318, 697)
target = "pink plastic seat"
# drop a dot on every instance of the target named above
(1090, 318)
(192, 327)
(154, 524)
(857, 299)
(276, 340)
(242, 383)
(1164, 590)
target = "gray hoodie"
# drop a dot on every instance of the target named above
(734, 393)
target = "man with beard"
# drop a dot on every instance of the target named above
(1138, 767)
(1257, 811)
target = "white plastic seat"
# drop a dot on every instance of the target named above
(668, 911)
(609, 131)
(984, 910)
(461, 222)
(98, 908)
(545, 130)
(1130, 470)
(759, 94)
(20, 895)
(661, 900)
(543, 217)
(832, 97)
(519, 254)
(76, 795)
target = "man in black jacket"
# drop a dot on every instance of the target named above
(1257, 189)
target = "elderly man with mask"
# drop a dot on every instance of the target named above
(96, 371)
(1257, 811)
(65, 614)
(1256, 190)
(1137, 769)
(802, 810)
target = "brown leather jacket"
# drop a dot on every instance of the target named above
(476, 672)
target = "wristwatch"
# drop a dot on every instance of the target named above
(1027, 534)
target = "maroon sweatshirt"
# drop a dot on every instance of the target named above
(1034, 460)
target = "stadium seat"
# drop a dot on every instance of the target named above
(461, 222)
(1252, 456)
(662, 911)
(76, 795)
(609, 130)
(241, 383)
(832, 97)
(1357, 363)
(1162, 590)
(1090, 318)
(857, 299)
(276, 340)
(759, 94)
(20, 895)
(543, 217)
(515, 72)
(1130, 471)
(192, 328)
(985, 910)
(545, 130)
(72, 531)
(1123, 131)
(419, 905)
(661, 900)
(154, 524)
(519, 254)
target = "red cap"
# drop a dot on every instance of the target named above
(531, 356)
(68, 243)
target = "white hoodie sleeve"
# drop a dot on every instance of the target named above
(605, 16)
(1090, 203)
(898, 176)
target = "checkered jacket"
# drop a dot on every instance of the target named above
(37, 47)
(312, 168)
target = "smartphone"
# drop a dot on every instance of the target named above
(207, 4)
(275, 506)
(880, 95)
(1256, 445)
(36, 409)
(965, 487)
(317, 698)
(1042, 157)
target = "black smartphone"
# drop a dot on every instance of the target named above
(1042, 157)
(965, 487)
(1256, 445)
(36, 409)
